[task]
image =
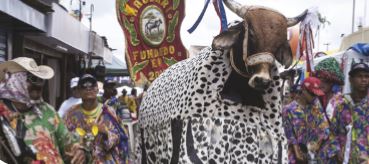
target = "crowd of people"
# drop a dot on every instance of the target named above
(322, 124)
(86, 128)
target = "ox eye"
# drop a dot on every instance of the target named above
(250, 70)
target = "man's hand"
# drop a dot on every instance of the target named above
(77, 154)
(102, 127)
(298, 153)
(364, 158)
(313, 146)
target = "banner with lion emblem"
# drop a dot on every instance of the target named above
(152, 33)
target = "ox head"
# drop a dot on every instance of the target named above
(256, 42)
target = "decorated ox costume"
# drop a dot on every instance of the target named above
(223, 105)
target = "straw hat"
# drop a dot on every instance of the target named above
(22, 64)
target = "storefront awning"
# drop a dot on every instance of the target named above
(19, 16)
(116, 68)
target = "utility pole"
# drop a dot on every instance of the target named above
(91, 46)
(327, 44)
(91, 12)
(353, 16)
(80, 10)
(365, 5)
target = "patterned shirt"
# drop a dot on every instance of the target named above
(45, 133)
(294, 123)
(109, 147)
(317, 124)
(357, 115)
(305, 125)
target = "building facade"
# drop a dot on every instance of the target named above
(46, 32)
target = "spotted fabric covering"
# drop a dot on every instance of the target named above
(183, 118)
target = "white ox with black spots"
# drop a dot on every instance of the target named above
(223, 105)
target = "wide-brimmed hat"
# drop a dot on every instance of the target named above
(329, 69)
(22, 64)
(358, 67)
(312, 84)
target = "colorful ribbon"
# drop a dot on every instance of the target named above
(219, 8)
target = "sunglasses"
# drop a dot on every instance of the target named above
(88, 85)
(34, 80)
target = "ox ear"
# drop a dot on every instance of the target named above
(284, 55)
(226, 40)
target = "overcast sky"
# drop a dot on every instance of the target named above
(338, 12)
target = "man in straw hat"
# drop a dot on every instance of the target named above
(31, 132)
(350, 123)
(97, 125)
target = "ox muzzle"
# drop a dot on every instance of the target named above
(261, 63)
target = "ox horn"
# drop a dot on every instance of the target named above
(293, 21)
(235, 7)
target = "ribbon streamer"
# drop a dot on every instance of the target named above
(306, 40)
(219, 8)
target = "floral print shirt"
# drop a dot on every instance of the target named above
(354, 114)
(45, 132)
(294, 123)
(317, 124)
(294, 127)
(109, 147)
(305, 124)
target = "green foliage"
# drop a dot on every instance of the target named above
(138, 67)
(169, 61)
(171, 27)
(176, 4)
(132, 32)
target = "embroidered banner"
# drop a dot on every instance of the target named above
(152, 33)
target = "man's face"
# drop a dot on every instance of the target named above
(360, 81)
(109, 90)
(325, 85)
(34, 86)
(35, 92)
(306, 95)
(88, 90)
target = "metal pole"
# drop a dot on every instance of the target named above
(80, 10)
(327, 44)
(91, 12)
(90, 43)
(318, 39)
(353, 16)
(365, 6)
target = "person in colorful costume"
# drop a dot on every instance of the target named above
(32, 131)
(97, 125)
(293, 123)
(109, 93)
(350, 126)
(332, 78)
(130, 103)
(109, 98)
(305, 127)
(329, 73)
(73, 100)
